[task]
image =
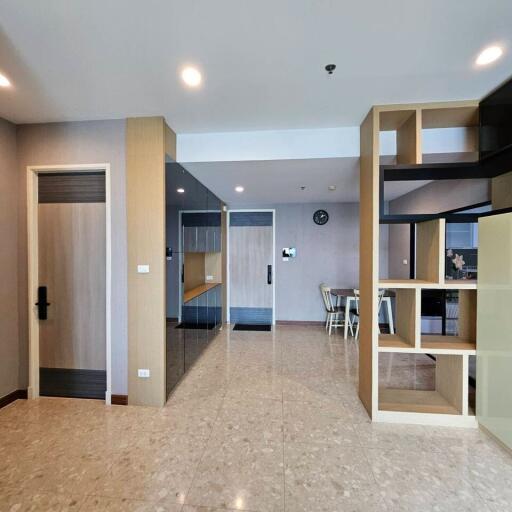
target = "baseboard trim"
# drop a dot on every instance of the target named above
(498, 441)
(19, 394)
(119, 399)
(299, 322)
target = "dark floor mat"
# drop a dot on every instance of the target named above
(252, 327)
(195, 326)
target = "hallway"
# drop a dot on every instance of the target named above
(262, 422)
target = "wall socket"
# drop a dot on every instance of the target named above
(143, 373)
(142, 269)
(209, 278)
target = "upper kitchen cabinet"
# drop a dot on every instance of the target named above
(214, 239)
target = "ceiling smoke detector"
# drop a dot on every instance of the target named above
(330, 68)
(332, 188)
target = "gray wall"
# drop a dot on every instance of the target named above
(435, 197)
(328, 253)
(80, 143)
(9, 341)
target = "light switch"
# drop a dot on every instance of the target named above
(404, 262)
(142, 269)
(143, 373)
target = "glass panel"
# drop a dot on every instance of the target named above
(494, 327)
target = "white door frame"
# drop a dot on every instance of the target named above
(228, 301)
(33, 268)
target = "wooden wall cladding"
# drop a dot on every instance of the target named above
(72, 187)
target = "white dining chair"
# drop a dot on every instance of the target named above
(334, 314)
(354, 312)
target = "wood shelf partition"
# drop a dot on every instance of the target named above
(448, 403)
(413, 400)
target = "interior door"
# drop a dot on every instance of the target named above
(72, 274)
(251, 249)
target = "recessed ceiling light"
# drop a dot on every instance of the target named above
(4, 81)
(180, 190)
(239, 188)
(490, 54)
(332, 188)
(191, 76)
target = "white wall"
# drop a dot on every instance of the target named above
(80, 143)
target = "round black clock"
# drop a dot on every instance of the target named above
(320, 217)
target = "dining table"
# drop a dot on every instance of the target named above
(348, 295)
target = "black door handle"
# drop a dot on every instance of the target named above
(42, 304)
(269, 274)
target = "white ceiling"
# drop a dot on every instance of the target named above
(262, 61)
(279, 181)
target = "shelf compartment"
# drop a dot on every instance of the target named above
(445, 391)
(460, 284)
(411, 400)
(398, 284)
(402, 284)
(451, 117)
(436, 344)
(430, 241)
(393, 341)
(407, 124)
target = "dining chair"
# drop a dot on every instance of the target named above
(334, 313)
(355, 311)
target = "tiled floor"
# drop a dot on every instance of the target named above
(263, 422)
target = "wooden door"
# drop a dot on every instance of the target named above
(251, 250)
(72, 339)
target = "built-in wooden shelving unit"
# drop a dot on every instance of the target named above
(447, 403)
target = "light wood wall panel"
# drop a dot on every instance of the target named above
(450, 370)
(213, 266)
(408, 140)
(194, 263)
(467, 314)
(369, 260)
(250, 251)
(147, 142)
(430, 242)
(72, 266)
(408, 303)
(501, 191)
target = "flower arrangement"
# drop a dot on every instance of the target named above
(458, 263)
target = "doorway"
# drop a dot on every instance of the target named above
(251, 268)
(69, 281)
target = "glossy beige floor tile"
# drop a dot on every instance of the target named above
(18, 501)
(308, 423)
(262, 422)
(321, 477)
(102, 504)
(250, 419)
(240, 475)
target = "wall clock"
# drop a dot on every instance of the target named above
(320, 217)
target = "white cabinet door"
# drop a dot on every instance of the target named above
(494, 327)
